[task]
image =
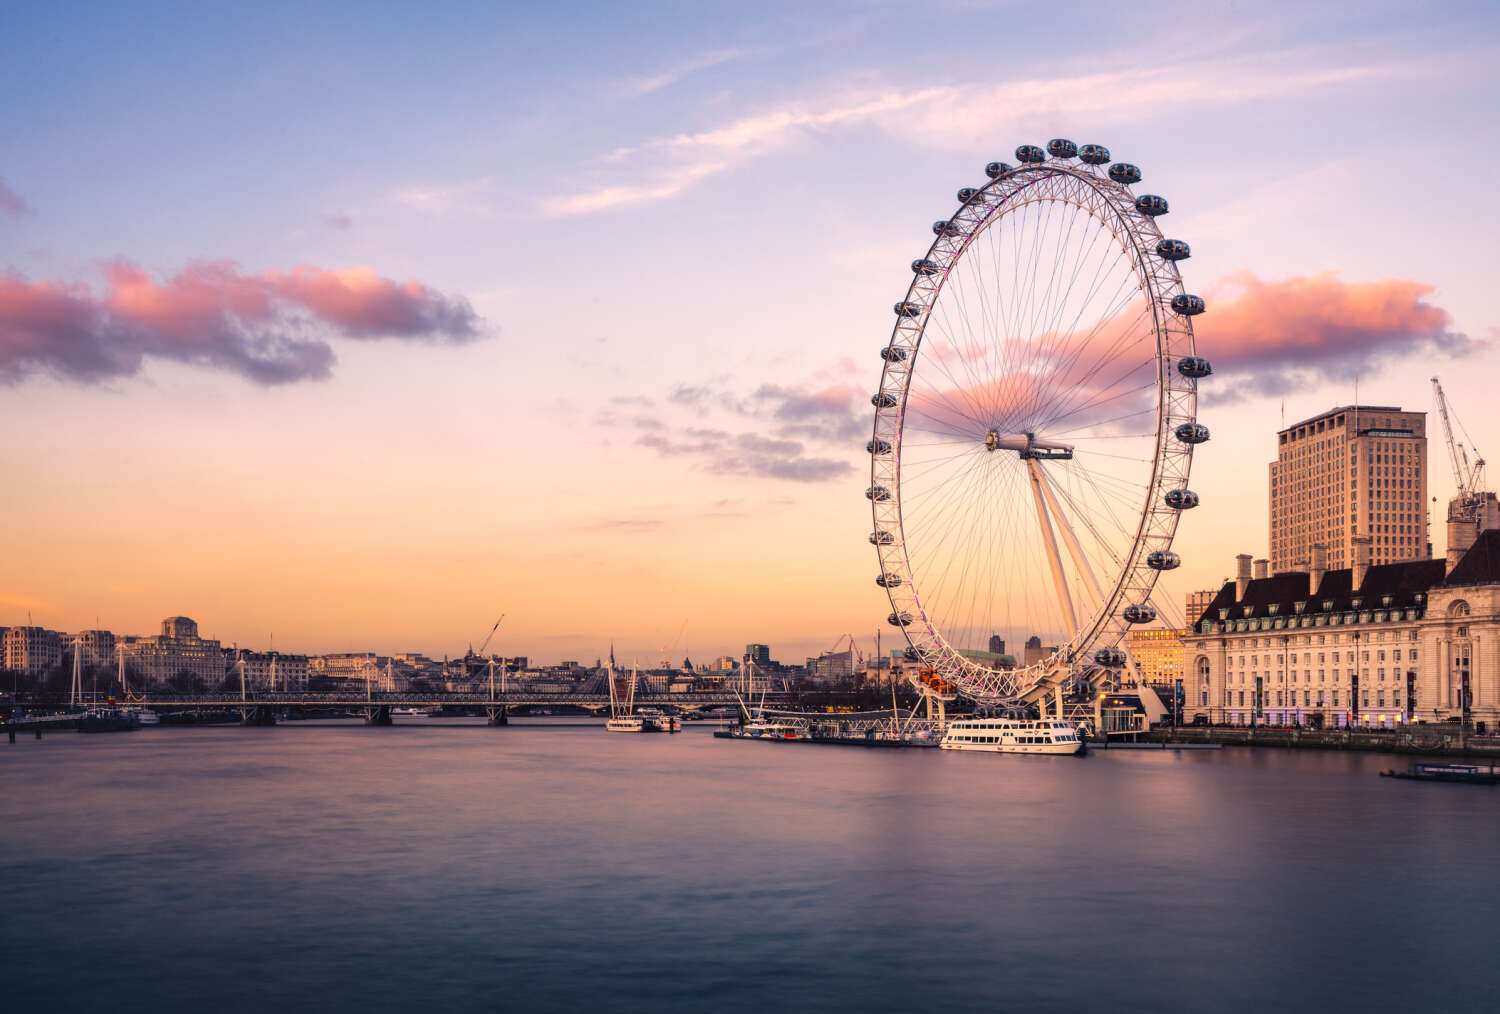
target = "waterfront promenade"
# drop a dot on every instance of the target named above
(1445, 739)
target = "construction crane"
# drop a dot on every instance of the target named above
(667, 649)
(1469, 477)
(490, 636)
(853, 646)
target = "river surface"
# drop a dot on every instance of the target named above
(449, 866)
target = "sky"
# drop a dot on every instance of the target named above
(358, 326)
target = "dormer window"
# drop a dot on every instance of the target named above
(1356, 601)
(1271, 609)
(1298, 607)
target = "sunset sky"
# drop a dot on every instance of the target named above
(363, 325)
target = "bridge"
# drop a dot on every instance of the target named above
(376, 706)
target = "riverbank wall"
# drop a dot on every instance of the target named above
(1444, 740)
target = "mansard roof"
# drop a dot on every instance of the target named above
(1481, 564)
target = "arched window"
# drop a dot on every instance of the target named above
(1202, 668)
(1459, 608)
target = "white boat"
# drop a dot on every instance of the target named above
(145, 716)
(656, 721)
(622, 714)
(1009, 735)
(768, 730)
(409, 712)
(627, 723)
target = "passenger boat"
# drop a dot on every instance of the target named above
(1009, 735)
(409, 712)
(145, 716)
(626, 723)
(657, 721)
(768, 730)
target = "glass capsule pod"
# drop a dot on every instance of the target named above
(879, 494)
(1061, 147)
(1151, 204)
(949, 229)
(1188, 305)
(1093, 154)
(1192, 433)
(1030, 153)
(878, 446)
(1173, 250)
(1124, 172)
(1181, 499)
(898, 619)
(908, 309)
(882, 539)
(1110, 658)
(924, 267)
(891, 354)
(883, 399)
(966, 194)
(889, 580)
(995, 170)
(1163, 559)
(1195, 367)
(1139, 613)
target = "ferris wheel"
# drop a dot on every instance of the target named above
(1034, 427)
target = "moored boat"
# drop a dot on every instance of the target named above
(1009, 735)
(108, 720)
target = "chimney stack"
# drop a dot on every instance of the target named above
(1362, 545)
(1241, 576)
(1262, 567)
(1315, 572)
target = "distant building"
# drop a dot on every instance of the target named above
(760, 654)
(269, 670)
(1352, 472)
(341, 665)
(31, 651)
(1035, 653)
(177, 652)
(1197, 601)
(834, 666)
(1157, 653)
(997, 644)
(726, 663)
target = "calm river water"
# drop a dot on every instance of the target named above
(549, 867)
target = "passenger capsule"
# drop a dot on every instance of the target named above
(879, 494)
(878, 447)
(949, 229)
(1110, 658)
(1173, 250)
(891, 354)
(995, 170)
(1030, 153)
(1124, 172)
(883, 399)
(1188, 305)
(1192, 433)
(966, 194)
(908, 309)
(1163, 559)
(1195, 367)
(882, 539)
(898, 619)
(1139, 614)
(1094, 154)
(1060, 147)
(1181, 499)
(924, 267)
(889, 580)
(1150, 204)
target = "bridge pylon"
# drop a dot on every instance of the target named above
(497, 715)
(380, 714)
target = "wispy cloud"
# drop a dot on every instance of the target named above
(645, 84)
(467, 198)
(11, 204)
(268, 327)
(955, 115)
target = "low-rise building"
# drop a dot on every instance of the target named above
(1381, 645)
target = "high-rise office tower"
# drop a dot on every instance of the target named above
(1355, 471)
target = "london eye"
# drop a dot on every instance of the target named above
(1034, 427)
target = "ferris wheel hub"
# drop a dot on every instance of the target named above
(1027, 445)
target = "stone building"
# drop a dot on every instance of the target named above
(176, 652)
(30, 651)
(1372, 644)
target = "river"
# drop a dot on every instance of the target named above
(549, 866)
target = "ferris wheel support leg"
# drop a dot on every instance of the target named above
(1091, 583)
(1049, 541)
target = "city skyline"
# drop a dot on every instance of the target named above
(574, 423)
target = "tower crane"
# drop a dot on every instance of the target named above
(1468, 477)
(667, 649)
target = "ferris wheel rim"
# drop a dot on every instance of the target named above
(1159, 283)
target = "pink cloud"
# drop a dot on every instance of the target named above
(11, 204)
(1278, 336)
(269, 327)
